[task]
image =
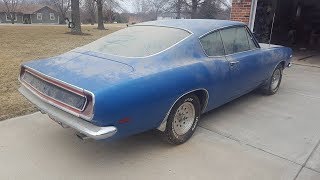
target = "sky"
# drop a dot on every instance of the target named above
(128, 4)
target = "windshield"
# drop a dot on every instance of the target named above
(138, 41)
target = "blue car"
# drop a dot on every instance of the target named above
(155, 75)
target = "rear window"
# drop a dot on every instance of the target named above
(138, 41)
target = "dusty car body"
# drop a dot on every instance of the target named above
(131, 81)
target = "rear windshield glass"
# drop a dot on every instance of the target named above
(138, 41)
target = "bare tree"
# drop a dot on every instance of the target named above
(90, 8)
(100, 14)
(157, 6)
(175, 6)
(194, 4)
(62, 6)
(110, 9)
(75, 16)
(137, 5)
(143, 6)
(178, 4)
(115, 5)
(225, 3)
(11, 7)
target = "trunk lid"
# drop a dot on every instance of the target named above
(83, 69)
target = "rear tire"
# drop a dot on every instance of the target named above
(182, 120)
(271, 87)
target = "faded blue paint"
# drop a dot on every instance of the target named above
(144, 89)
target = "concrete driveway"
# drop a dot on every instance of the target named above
(254, 137)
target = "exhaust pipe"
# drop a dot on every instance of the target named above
(81, 136)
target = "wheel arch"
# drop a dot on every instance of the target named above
(201, 93)
(283, 64)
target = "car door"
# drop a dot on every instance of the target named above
(244, 63)
(218, 69)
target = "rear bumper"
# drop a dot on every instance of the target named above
(67, 120)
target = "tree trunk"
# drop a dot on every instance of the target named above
(12, 17)
(93, 18)
(75, 15)
(62, 19)
(194, 9)
(100, 15)
(178, 8)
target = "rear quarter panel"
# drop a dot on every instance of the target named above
(142, 104)
(273, 56)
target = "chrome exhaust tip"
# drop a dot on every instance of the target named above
(81, 136)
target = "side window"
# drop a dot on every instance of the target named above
(235, 40)
(251, 41)
(212, 44)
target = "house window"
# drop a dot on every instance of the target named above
(39, 16)
(8, 17)
(52, 17)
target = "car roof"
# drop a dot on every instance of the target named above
(196, 26)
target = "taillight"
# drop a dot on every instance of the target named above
(67, 97)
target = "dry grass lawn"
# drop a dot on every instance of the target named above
(23, 43)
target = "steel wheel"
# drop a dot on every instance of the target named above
(184, 118)
(271, 86)
(275, 81)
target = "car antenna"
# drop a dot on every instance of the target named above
(274, 15)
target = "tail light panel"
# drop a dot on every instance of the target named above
(62, 95)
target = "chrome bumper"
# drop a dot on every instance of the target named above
(67, 120)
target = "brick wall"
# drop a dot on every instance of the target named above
(240, 10)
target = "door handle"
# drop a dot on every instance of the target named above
(233, 63)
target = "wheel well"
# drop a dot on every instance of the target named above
(203, 97)
(283, 63)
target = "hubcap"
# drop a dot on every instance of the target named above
(184, 118)
(275, 79)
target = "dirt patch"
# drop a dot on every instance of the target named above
(23, 43)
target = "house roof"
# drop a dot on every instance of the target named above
(26, 8)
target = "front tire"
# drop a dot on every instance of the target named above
(182, 120)
(272, 85)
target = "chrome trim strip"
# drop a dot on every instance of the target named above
(253, 38)
(88, 118)
(162, 126)
(68, 120)
(166, 27)
(220, 28)
(242, 52)
(85, 104)
(190, 34)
